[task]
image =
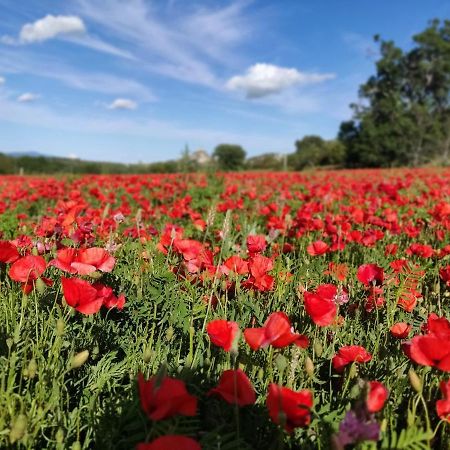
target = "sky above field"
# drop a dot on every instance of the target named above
(137, 80)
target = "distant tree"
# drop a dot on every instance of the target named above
(266, 161)
(313, 151)
(403, 115)
(6, 164)
(229, 157)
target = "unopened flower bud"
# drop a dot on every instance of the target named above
(415, 380)
(318, 349)
(59, 437)
(32, 368)
(169, 333)
(40, 286)
(76, 445)
(281, 363)
(309, 367)
(18, 428)
(147, 355)
(60, 327)
(79, 359)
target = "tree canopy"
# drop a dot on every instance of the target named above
(229, 156)
(403, 113)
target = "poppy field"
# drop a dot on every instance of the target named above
(226, 311)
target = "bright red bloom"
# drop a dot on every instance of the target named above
(289, 408)
(317, 248)
(443, 406)
(391, 249)
(349, 354)
(170, 442)
(222, 333)
(88, 299)
(260, 279)
(376, 396)
(81, 295)
(27, 269)
(235, 388)
(8, 252)
(369, 274)
(83, 261)
(400, 330)
(256, 243)
(320, 305)
(277, 331)
(445, 275)
(235, 264)
(161, 399)
(422, 250)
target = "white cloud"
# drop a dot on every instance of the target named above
(2, 80)
(122, 103)
(49, 27)
(261, 80)
(27, 97)
(72, 156)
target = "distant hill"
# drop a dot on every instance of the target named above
(31, 154)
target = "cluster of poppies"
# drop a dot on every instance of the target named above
(81, 295)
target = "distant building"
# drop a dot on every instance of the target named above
(200, 156)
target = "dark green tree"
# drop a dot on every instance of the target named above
(403, 114)
(313, 151)
(229, 157)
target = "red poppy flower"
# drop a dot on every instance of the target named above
(443, 406)
(26, 269)
(222, 333)
(260, 279)
(289, 408)
(235, 388)
(320, 306)
(369, 274)
(235, 264)
(170, 442)
(256, 243)
(422, 250)
(400, 330)
(161, 399)
(337, 270)
(277, 331)
(349, 354)
(79, 294)
(8, 252)
(445, 275)
(88, 299)
(317, 248)
(376, 396)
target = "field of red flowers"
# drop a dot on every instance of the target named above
(233, 311)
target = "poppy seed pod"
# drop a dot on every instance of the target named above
(309, 367)
(18, 428)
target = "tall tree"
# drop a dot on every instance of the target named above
(403, 114)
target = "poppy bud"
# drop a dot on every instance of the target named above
(76, 445)
(169, 333)
(32, 368)
(60, 327)
(353, 372)
(281, 363)
(147, 355)
(59, 437)
(261, 374)
(95, 275)
(415, 381)
(309, 367)
(18, 428)
(79, 359)
(40, 286)
(318, 349)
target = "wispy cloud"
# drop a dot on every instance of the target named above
(47, 67)
(27, 97)
(2, 80)
(261, 80)
(182, 46)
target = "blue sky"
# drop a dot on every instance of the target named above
(136, 80)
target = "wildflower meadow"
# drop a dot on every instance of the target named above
(228, 311)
